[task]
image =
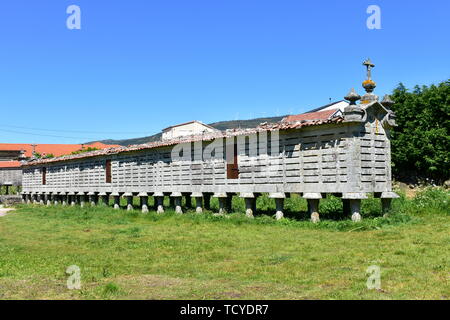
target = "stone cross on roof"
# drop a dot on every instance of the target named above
(369, 65)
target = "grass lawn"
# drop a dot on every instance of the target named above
(129, 255)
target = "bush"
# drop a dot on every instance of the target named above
(111, 289)
(421, 142)
(433, 199)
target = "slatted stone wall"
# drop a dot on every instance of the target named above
(329, 159)
(10, 176)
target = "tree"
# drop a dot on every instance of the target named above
(421, 142)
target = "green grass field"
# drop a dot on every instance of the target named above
(129, 255)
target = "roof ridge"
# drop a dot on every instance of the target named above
(188, 139)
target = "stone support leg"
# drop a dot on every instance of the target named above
(177, 203)
(207, 201)
(313, 205)
(385, 205)
(355, 209)
(144, 204)
(229, 203)
(159, 200)
(82, 200)
(73, 200)
(199, 204)
(249, 207)
(105, 200)
(222, 205)
(129, 203)
(92, 200)
(279, 204)
(346, 206)
(116, 202)
(188, 201)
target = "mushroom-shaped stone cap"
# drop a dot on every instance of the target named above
(387, 101)
(352, 96)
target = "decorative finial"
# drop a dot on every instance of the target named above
(369, 65)
(369, 85)
(387, 101)
(352, 96)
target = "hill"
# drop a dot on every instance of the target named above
(221, 125)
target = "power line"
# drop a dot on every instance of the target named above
(75, 131)
(49, 135)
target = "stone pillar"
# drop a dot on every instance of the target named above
(176, 196)
(129, 197)
(355, 203)
(207, 201)
(49, 200)
(385, 205)
(249, 207)
(159, 202)
(198, 201)
(254, 202)
(104, 199)
(64, 199)
(72, 199)
(41, 199)
(199, 205)
(386, 200)
(178, 208)
(188, 200)
(92, 199)
(56, 199)
(222, 205)
(229, 203)
(346, 206)
(116, 197)
(355, 209)
(144, 201)
(313, 205)
(82, 199)
(279, 204)
(222, 197)
(249, 199)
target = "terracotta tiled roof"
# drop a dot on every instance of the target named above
(186, 139)
(319, 115)
(10, 164)
(56, 149)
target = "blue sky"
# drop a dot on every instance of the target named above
(138, 66)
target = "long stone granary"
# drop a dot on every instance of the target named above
(348, 155)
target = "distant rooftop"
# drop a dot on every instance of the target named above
(333, 105)
(54, 149)
(186, 123)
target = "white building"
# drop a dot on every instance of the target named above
(186, 129)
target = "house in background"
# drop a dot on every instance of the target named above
(186, 129)
(11, 155)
